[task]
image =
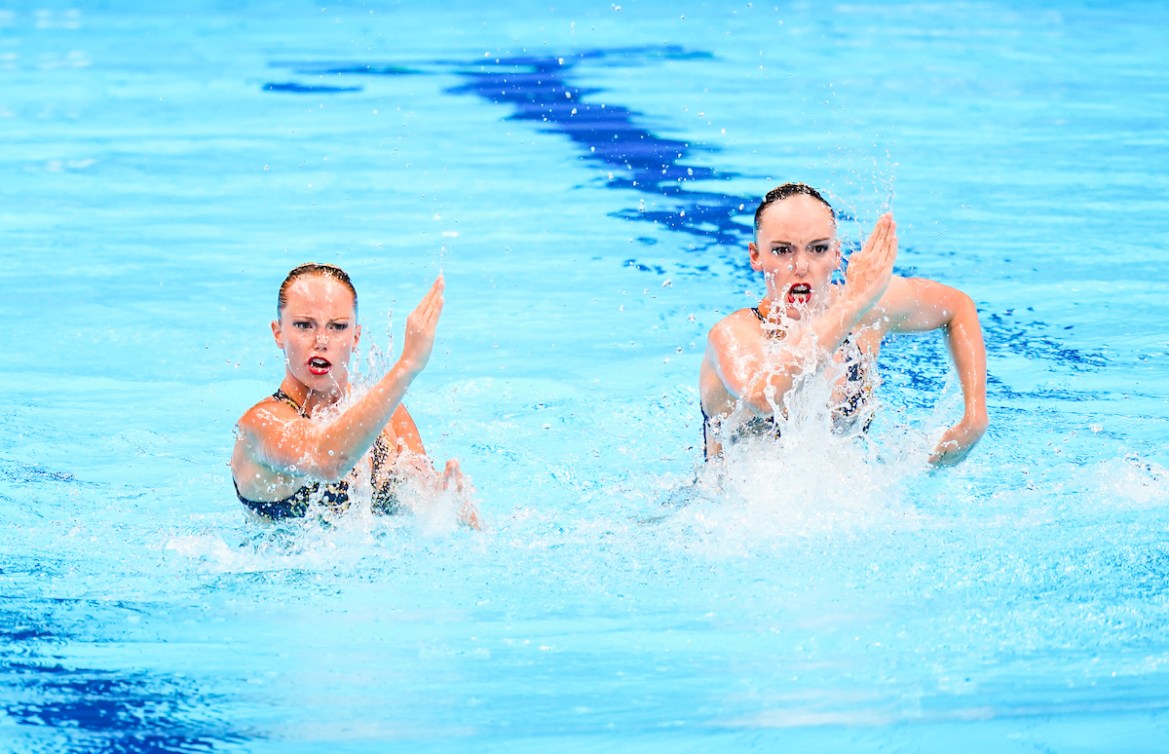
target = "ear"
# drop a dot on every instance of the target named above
(356, 335)
(276, 334)
(753, 250)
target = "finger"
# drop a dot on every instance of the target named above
(879, 238)
(431, 305)
(948, 453)
(887, 230)
(432, 296)
(874, 236)
(888, 252)
(435, 289)
(886, 249)
(470, 517)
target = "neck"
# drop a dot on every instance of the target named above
(308, 399)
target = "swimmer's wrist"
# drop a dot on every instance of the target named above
(851, 309)
(406, 368)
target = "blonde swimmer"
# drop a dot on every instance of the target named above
(308, 444)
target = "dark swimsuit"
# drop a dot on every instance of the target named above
(859, 392)
(334, 495)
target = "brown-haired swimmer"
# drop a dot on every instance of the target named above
(806, 324)
(313, 444)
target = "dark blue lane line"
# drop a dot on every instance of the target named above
(540, 90)
(111, 711)
(295, 88)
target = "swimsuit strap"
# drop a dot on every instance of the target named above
(771, 329)
(280, 395)
(705, 430)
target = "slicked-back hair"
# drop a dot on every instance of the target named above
(313, 268)
(779, 193)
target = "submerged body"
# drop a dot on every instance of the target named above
(807, 325)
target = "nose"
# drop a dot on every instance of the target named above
(799, 263)
(322, 339)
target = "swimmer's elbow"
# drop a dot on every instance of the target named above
(334, 468)
(321, 464)
(767, 391)
(962, 310)
(761, 399)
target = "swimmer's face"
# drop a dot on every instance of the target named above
(318, 331)
(797, 251)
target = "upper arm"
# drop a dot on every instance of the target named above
(918, 305)
(276, 438)
(735, 364)
(405, 432)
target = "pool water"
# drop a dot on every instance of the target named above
(584, 178)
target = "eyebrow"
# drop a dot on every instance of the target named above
(314, 319)
(810, 243)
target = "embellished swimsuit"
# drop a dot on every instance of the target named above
(334, 495)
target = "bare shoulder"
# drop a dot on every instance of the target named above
(732, 328)
(733, 347)
(268, 413)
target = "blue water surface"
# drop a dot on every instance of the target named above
(584, 176)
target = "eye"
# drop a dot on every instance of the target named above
(822, 248)
(339, 326)
(781, 250)
(302, 325)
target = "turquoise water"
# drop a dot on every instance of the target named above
(163, 169)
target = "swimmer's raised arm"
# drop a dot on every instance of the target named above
(276, 436)
(917, 305)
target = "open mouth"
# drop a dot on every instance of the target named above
(319, 366)
(800, 293)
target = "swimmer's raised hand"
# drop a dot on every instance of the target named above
(420, 329)
(870, 269)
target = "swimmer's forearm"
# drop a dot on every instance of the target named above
(765, 394)
(356, 431)
(807, 352)
(840, 319)
(969, 354)
(343, 442)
